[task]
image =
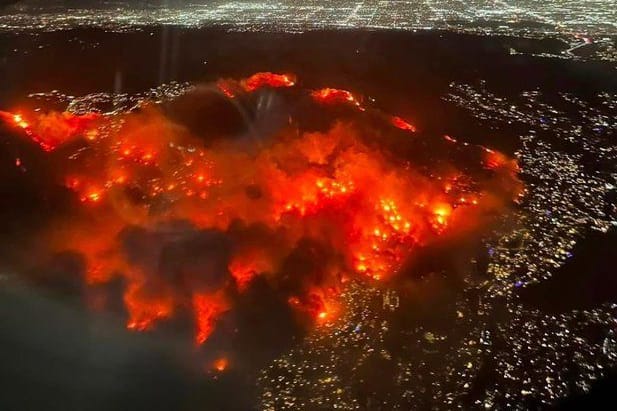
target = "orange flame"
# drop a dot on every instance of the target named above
(331, 187)
(402, 124)
(267, 79)
(207, 308)
(53, 129)
(334, 96)
(145, 310)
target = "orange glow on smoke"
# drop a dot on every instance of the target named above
(244, 266)
(207, 308)
(319, 304)
(331, 187)
(327, 312)
(145, 310)
(334, 95)
(267, 79)
(494, 159)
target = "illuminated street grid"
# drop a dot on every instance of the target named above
(530, 16)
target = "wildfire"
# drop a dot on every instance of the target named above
(302, 210)
(441, 212)
(207, 308)
(20, 122)
(53, 129)
(494, 160)
(145, 311)
(244, 266)
(267, 79)
(402, 124)
(334, 95)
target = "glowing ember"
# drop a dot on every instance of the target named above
(450, 139)
(20, 122)
(225, 89)
(402, 124)
(221, 364)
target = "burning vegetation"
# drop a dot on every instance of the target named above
(189, 223)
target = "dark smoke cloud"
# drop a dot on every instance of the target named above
(57, 356)
(178, 254)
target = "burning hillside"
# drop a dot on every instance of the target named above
(189, 220)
